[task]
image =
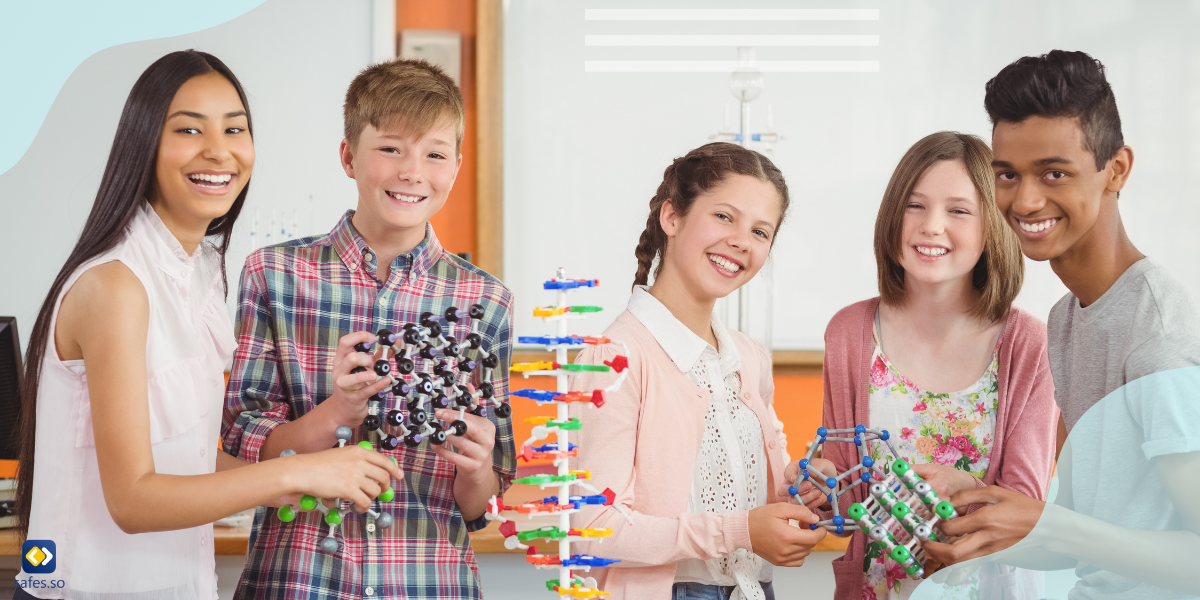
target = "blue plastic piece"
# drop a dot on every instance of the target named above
(569, 285)
(792, 491)
(830, 482)
(803, 463)
(866, 477)
(822, 441)
(868, 462)
(584, 560)
(860, 429)
(839, 520)
(804, 474)
(550, 340)
(538, 395)
(813, 527)
(821, 431)
(829, 497)
(553, 447)
(841, 529)
(857, 441)
(884, 435)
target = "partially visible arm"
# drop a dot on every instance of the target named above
(106, 315)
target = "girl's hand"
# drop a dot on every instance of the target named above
(777, 541)
(946, 481)
(351, 390)
(810, 496)
(352, 473)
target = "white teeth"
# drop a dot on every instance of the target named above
(724, 264)
(1039, 226)
(218, 180)
(405, 197)
(931, 251)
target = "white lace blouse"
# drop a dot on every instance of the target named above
(730, 473)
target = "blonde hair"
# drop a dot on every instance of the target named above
(413, 95)
(1001, 268)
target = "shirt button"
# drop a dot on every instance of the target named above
(367, 255)
(370, 528)
(382, 302)
(203, 452)
(771, 444)
(746, 395)
(369, 591)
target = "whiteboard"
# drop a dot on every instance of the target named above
(585, 151)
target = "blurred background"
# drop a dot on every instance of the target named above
(573, 111)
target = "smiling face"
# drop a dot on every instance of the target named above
(205, 154)
(402, 180)
(942, 229)
(1047, 185)
(725, 238)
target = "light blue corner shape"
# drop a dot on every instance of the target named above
(43, 41)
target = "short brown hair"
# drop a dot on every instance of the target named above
(1000, 270)
(411, 94)
(691, 175)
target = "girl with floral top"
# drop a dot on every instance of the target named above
(690, 444)
(941, 360)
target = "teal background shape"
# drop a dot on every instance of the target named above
(42, 42)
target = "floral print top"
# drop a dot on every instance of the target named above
(954, 429)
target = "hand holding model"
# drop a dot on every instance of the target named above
(777, 541)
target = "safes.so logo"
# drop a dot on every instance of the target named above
(38, 556)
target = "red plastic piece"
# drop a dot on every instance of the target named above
(618, 364)
(596, 340)
(527, 453)
(508, 529)
(598, 398)
(608, 493)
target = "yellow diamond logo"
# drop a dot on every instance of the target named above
(35, 556)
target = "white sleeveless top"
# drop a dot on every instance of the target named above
(189, 342)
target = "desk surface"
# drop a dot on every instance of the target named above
(233, 540)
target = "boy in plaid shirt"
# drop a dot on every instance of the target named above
(304, 304)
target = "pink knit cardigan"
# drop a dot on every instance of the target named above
(1026, 425)
(643, 444)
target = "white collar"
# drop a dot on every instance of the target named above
(683, 346)
(168, 253)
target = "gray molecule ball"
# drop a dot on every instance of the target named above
(343, 433)
(288, 452)
(384, 520)
(329, 545)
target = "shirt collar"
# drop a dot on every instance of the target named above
(165, 250)
(684, 347)
(352, 249)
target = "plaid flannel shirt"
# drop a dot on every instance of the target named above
(296, 300)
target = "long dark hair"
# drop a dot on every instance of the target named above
(128, 180)
(689, 176)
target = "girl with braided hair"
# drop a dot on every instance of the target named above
(691, 447)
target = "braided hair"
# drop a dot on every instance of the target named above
(690, 176)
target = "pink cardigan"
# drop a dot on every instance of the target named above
(1027, 422)
(643, 444)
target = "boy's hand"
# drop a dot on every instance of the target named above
(946, 481)
(473, 458)
(351, 390)
(778, 542)
(1005, 519)
(812, 497)
(351, 473)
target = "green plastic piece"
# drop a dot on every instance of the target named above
(534, 480)
(900, 554)
(333, 518)
(944, 509)
(563, 478)
(286, 514)
(549, 533)
(856, 511)
(387, 495)
(307, 502)
(900, 467)
(596, 368)
(933, 536)
(365, 444)
(900, 510)
(913, 569)
(550, 585)
(586, 309)
(568, 425)
(394, 461)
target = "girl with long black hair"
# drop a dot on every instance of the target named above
(121, 400)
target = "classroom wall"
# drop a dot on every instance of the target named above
(294, 58)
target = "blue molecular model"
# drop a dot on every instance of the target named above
(900, 511)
